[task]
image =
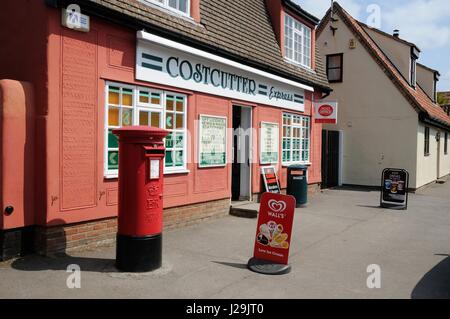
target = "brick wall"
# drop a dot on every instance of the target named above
(10, 243)
(83, 236)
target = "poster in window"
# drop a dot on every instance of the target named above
(213, 141)
(269, 143)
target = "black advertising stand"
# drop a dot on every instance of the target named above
(394, 189)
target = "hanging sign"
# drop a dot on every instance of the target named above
(394, 188)
(326, 112)
(269, 143)
(166, 62)
(270, 179)
(273, 233)
(213, 141)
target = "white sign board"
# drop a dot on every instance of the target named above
(213, 141)
(71, 17)
(166, 65)
(154, 169)
(326, 112)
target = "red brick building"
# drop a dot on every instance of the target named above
(182, 65)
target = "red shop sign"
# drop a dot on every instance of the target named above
(273, 234)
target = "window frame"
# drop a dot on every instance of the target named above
(341, 75)
(137, 107)
(179, 169)
(165, 4)
(301, 138)
(427, 141)
(295, 32)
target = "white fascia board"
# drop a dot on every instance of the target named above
(178, 46)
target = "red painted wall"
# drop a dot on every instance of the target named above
(274, 9)
(16, 153)
(23, 57)
(71, 186)
(195, 10)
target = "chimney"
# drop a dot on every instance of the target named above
(396, 33)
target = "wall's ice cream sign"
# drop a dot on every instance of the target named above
(273, 233)
(165, 65)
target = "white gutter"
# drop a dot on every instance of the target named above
(181, 47)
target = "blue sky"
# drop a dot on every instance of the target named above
(423, 22)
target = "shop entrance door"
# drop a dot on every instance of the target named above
(330, 158)
(242, 141)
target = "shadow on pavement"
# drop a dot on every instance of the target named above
(371, 206)
(40, 263)
(436, 283)
(234, 265)
(364, 189)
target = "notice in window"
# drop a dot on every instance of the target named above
(269, 143)
(213, 141)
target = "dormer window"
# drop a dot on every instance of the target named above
(297, 42)
(179, 6)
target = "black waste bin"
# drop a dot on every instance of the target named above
(297, 183)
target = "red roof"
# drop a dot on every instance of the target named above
(417, 97)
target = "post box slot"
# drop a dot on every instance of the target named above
(154, 151)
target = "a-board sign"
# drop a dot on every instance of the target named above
(270, 179)
(273, 233)
(394, 188)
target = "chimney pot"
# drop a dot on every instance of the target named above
(396, 33)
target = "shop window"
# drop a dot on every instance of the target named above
(446, 143)
(427, 141)
(179, 6)
(130, 105)
(296, 139)
(297, 41)
(335, 67)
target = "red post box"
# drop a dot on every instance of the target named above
(139, 237)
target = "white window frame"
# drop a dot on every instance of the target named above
(299, 29)
(138, 106)
(179, 169)
(165, 4)
(291, 149)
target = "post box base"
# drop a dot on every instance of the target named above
(138, 254)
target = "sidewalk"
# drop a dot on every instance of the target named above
(335, 238)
